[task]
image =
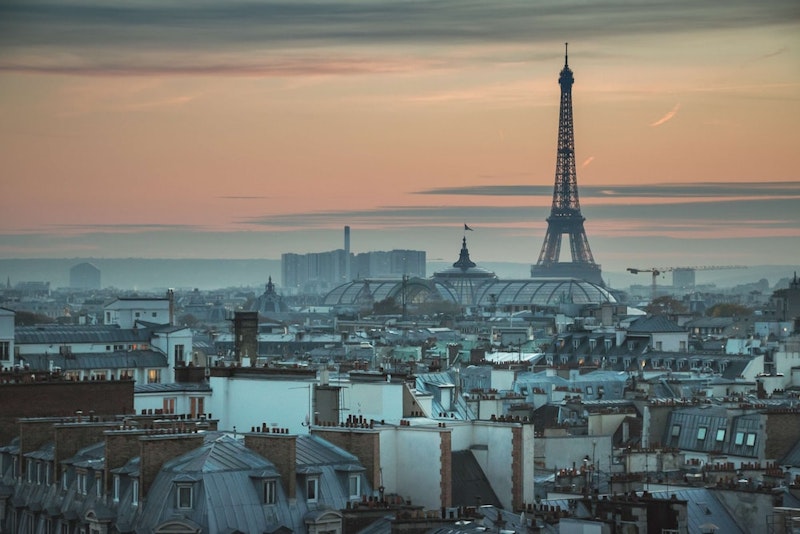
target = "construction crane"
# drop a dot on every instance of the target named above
(656, 271)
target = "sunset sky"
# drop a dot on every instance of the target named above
(161, 129)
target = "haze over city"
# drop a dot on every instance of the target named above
(241, 130)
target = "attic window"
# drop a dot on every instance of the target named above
(721, 434)
(184, 496)
(676, 431)
(701, 433)
(354, 485)
(739, 438)
(751, 440)
(312, 489)
(270, 489)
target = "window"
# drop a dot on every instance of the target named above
(116, 488)
(589, 390)
(196, 406)
(29, 470)
(135, 493)
(178, 353)
(154, 314)
(137, 315)
(98, 485)
(154, 376)
(39, 474)
(312, 485)
(169, 405)
(751, 440)
(5, 347)
(82, 483)
(701, 433)
(721, 434)
(659, 344)
(739, 438)
(184, 496)
(682, 346)
(270, 491)
(64, 479)
(354, 483)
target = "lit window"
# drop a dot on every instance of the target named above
(739, 438)
(751, 440)
(312, 485)
(721, 434)
(184, 497)
(154, 376)
(355, 486)
(270, 492)
(701, 433)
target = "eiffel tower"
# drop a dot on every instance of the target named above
(565, 216)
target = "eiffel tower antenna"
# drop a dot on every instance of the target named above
(565, 215)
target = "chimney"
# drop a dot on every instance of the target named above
(171, 298)
(347, 276)
(245, 332)
(157, 449)
(121, 446)
(69, 438)
(364, 443)
(281, 450)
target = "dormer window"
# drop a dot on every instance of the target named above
(82, 483)
(592, 344)
(135, 493)
(115, 495)
(312, 489)
(270, 491)
(354, 485)
(184, 496)
(64, 479)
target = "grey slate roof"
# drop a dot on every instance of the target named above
(97, 360)
(469, 482)
(61, 334)
(653, 324)
(172, 387)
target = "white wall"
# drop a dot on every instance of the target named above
(249, 402)
(372, 400)
(409, 472)
(7, 334)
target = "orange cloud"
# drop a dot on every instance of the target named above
(669, 116)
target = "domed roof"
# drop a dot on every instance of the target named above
(546, 292)
(464, 267)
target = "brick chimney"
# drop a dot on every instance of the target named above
(365, 444)
(280, 448)
(157, 449)
(121, 446)
(69, 438)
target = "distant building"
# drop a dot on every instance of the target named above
(319, 272)
(84, 276)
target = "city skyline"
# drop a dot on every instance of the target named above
(246, 131)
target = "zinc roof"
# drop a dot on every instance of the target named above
(61, 334)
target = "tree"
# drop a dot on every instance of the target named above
(725, 309)
(387, 306)
(26, 318)
(665, 305)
